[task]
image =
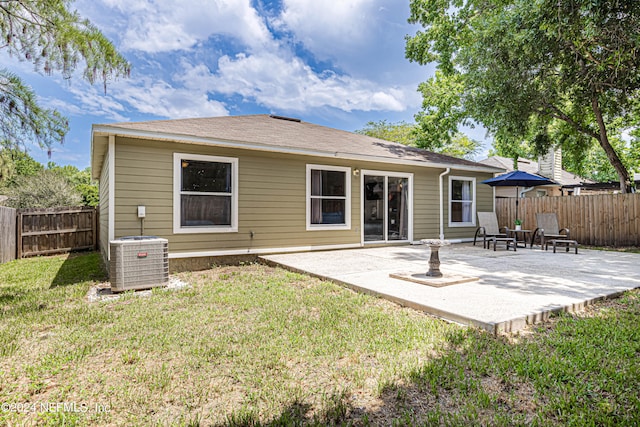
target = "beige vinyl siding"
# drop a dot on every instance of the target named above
(104, 209)
(426, 204)
(271, 198)
(484, 203)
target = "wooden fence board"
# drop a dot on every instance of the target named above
(602, 220)
(7, 234)
(56, 230)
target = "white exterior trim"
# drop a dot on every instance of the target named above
(441, 189)
(111, 153)
(387, 174)
(189, 139)
(347, 208)
(177, 176)
(250, 251)
(473, 201)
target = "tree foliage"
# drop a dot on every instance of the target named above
(413, 135)
(543, 71)
(80, 180)
(402, 132)
(53, 39)
(44, 190)
(19, 173)
(14, 164)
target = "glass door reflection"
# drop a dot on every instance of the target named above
(386, 208)
(374, 208)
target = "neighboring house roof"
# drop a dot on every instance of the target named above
(531, 166)
(274, 133)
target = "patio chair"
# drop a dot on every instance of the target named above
(488, 229)
(548, 229)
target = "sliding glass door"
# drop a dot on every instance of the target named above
(386, 207)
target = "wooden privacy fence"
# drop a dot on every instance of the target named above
(600, 220)
(7, 234)
(56, 230)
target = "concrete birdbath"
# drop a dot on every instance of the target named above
(434, 259)
(434, 276)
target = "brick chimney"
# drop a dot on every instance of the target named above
(550, 165)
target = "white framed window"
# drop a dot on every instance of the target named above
(328, 197)
(462, 201)
(205, 194)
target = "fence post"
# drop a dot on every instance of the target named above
(19, 235)
(95, 228)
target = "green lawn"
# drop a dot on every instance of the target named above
(255, 345)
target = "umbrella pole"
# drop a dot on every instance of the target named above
(517, 201)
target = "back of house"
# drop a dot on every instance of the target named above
(246, 185)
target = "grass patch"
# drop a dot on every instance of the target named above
(255, 345)
(630, 249)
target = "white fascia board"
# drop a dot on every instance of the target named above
(188, 139)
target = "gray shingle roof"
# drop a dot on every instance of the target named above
(264, 132)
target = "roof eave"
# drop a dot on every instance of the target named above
(106, 130)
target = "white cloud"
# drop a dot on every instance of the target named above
(325, 27)
(291, 85)
(156, 98)
(263, 69)
(93, 101)
(161, 99)
(165, 25)
(364, 38)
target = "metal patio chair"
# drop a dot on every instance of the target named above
(489, 230)
(548, 229)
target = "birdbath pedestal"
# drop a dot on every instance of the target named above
(434, 259)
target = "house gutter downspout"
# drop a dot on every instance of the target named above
(524, 190)
(442, 203)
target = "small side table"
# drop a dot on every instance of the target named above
(521, 236)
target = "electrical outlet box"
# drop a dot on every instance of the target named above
(142, 211)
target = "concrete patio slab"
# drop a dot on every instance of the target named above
(514, 288)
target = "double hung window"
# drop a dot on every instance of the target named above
(205, 194)
(328, 197)
(462, 200)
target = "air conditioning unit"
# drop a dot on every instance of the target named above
(138, 262)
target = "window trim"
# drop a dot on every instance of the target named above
(177, 192)
(473, 201)
(347, 198)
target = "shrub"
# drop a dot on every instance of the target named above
(43, 190)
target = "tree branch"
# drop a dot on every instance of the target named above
(555, 112)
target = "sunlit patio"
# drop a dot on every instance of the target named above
(514, 288)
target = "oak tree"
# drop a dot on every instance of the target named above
(546, 71)
(415, 135)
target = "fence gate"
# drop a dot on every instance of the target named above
(56, 230)
(7, 234)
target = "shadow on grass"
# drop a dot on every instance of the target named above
(426, 397)
(35, 284)
(78, 268)
(574, 371)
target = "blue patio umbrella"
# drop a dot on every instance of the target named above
(518, 179)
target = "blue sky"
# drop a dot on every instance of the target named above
(334, 63)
